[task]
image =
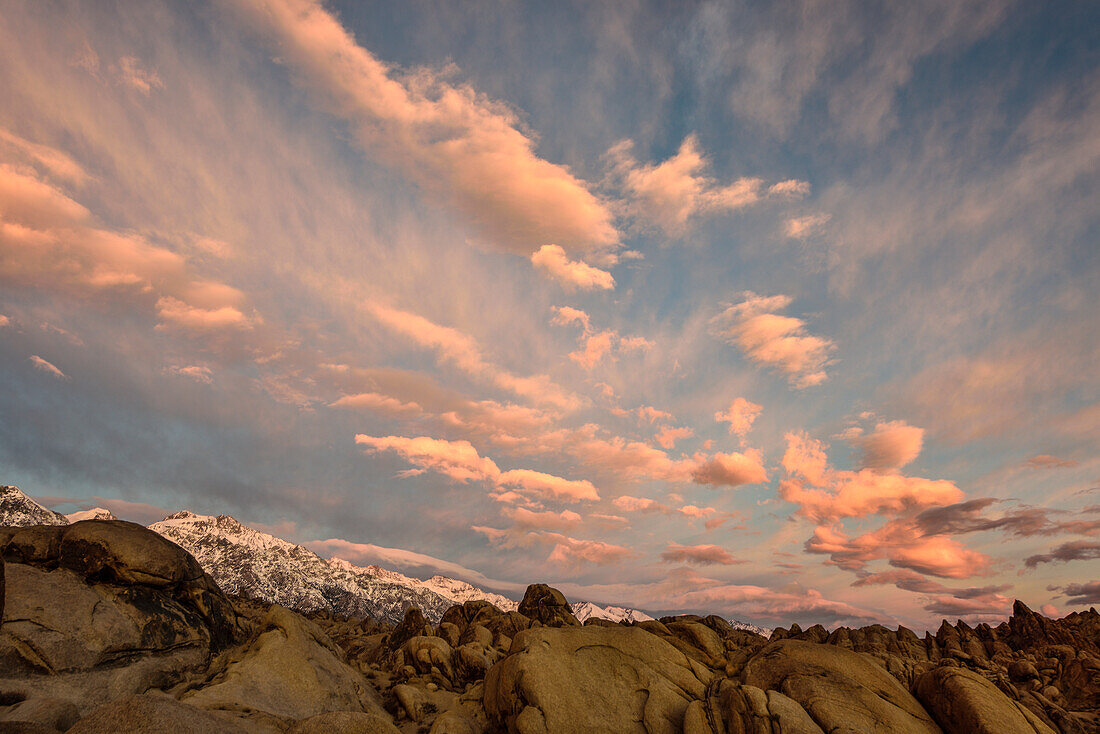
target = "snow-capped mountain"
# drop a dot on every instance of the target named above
(739, 625)
(455, 591)
(17, 509)
(96, 513)
(583, 610)
(251, 563)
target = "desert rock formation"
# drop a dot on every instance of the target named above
(110, 627)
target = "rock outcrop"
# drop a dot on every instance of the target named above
(100, 609)
(110, 627)
(633, 676)
(548, 606)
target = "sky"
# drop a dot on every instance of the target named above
(782, 311)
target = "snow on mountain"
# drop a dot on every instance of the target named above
(96, 513)
(251, 563)
(739, 625)
(19, 510)
(258, 565)
(458, 592)
(583, 610)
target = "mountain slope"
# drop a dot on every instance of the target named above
(258, 565)
(17, 509)
(583, 610)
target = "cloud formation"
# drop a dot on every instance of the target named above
(467, 149)
(460, 461)
(703, 555)
(731, 470)
(779, 342)
(890, 445)
(672, 193)
(1075, 550)
(740, 415)
(461, 350)
(50, 369)
(826, 495)
(572, 274)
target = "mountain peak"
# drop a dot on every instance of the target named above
(16, 508)
(95, 513)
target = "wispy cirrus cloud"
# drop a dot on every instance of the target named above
(48, 367)
(460, 461)
(465, 148)
(454, 347)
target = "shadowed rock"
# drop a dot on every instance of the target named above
(548, 606)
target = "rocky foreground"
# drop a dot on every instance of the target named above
(110, 627)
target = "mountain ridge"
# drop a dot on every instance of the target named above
(259, 565)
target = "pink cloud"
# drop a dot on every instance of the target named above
(565, 315)
(460, 461)
(740, 415)
(1046, 461)
(596, 346)
(824, 494)
(703, 555)
(56, 162)
(43, 366)
(452, 140)
(571, 552)
(174, 313)
(566, 551)
(891, 445)
(50, 241)
(523, 519)
(462, 351)
(129, 72)
(1049, 610)
(903, 545)
(802, 227)
(667, 437)
(405, 561)
(780, 342)
(376, 402)
(672, 193)
(627, 503)
(198, 373)
(730, 470)
(572, 274)
(548, 485)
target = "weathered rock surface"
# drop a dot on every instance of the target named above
(583, 679)
(344, 722)
(842, 691)
(98, 610)
(964, 702)
(154, 714)
(289, 668)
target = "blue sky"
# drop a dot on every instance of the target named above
(785, 311)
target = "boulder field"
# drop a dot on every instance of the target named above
(109, 627)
